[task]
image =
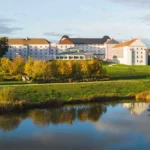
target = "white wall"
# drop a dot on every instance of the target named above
(92, 48)
(135, 54)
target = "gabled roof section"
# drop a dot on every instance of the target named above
(65, 40)
(27, 41)
(112, 41)
(127, 43)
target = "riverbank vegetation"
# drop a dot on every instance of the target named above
(143, 96)
(69, 91)
(47, 95)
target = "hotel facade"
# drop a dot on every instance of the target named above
(133, 52)
(35, 47)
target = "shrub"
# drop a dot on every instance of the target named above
(18, 77)
(1, 78)
(8, 94)
(143, 95)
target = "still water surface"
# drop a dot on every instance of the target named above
(110, 126)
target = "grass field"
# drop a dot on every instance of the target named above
(118, 71)
(12, 82)
(38, 93)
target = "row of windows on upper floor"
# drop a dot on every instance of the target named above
(137, 52)
(64, 47)
(29, 47)
(137, 57)
(29, 50)
(77, 45)
(38, 57)
(137, 48)
(138, 61)
(31, 53)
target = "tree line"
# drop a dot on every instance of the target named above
(38, 70)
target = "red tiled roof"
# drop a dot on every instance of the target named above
(127, 43)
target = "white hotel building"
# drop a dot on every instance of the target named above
(133, 52)
(35, 47)
(95, 46)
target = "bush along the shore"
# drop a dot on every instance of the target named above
(143, 96)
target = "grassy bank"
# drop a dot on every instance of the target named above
(58, 94)
(67, 92)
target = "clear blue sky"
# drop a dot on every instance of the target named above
(120, 19)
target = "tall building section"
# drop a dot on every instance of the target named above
(95, 46)
(110, 44)
(35, 47)
(132, 52)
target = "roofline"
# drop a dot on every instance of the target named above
(117, 45)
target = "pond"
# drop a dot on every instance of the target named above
(99, 126)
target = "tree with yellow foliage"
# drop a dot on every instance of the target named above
(4, 65)
(17, 66)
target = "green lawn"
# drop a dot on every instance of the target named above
(36, 93)
(12, 82)
(119, 71)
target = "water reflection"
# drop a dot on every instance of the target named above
(105, 126)
(136, 108)
(44, 117)
(67, 114)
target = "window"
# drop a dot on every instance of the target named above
(141, 48)
(137, 56)
(137, 61)
(137, 48)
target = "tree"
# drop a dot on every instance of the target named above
(65, 67)
(3, 46)
(28, 68)
(4, 65)
(17, 65)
